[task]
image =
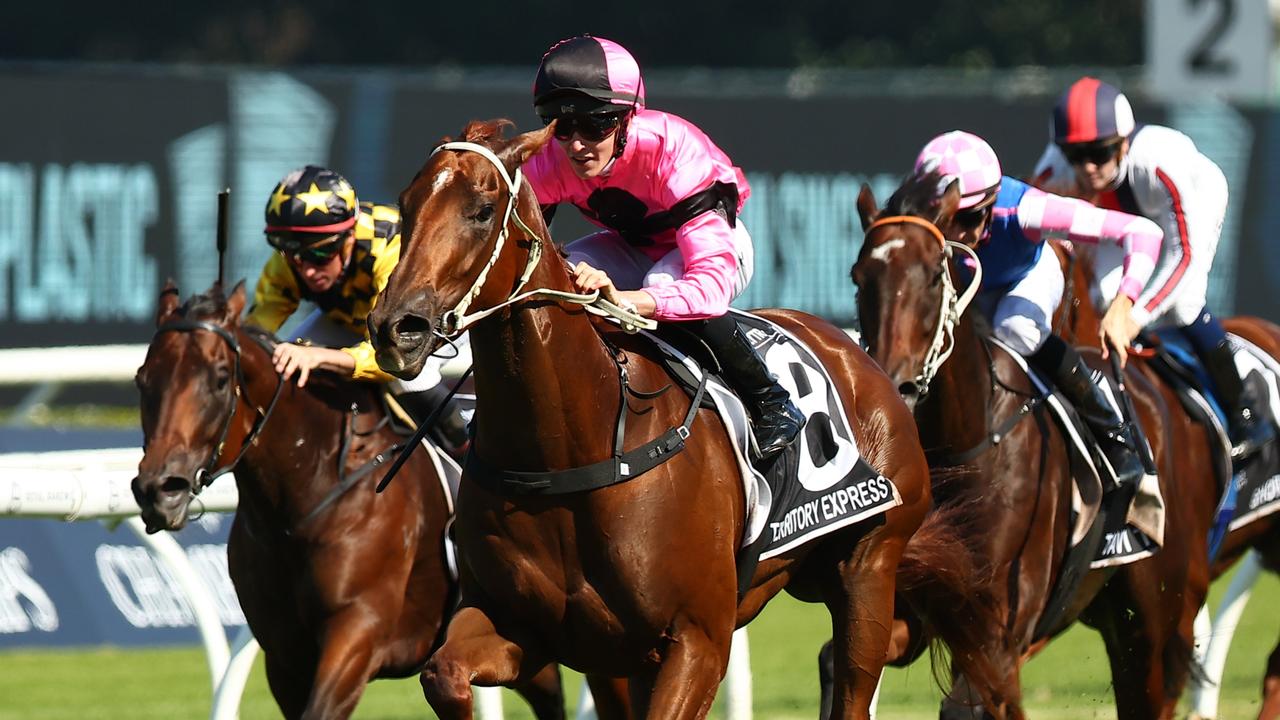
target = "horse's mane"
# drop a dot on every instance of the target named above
(484, 132)
(211, 303)
(330, 388)
(918, 195)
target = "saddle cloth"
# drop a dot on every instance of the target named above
(1132, 520)
(821, 483)
(1253, 491)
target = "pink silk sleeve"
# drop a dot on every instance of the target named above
(710, 272)
(1044, 216)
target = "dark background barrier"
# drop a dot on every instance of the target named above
(108, 175)
(74, 584)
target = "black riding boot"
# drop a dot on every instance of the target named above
(1077, 382)
(1246, 428)
(775, 420)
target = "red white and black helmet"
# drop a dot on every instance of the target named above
(1090, 112)
(308, 205)
(587, 75)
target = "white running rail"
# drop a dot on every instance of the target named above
(94, 484)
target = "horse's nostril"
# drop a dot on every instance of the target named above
(410, 329)
(907, 389)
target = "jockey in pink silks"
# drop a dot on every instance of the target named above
(1007, 221)
(667, 200)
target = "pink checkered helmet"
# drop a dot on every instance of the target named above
(965, 157)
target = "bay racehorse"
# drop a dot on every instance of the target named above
(976, 406)
(636, 579)
(1079, 319)
(339, 586)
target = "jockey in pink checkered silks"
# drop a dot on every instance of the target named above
(1007, 222)
(667, 200)
(1098, 153)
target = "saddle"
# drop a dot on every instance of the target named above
(1108, 530)
(1250, 487)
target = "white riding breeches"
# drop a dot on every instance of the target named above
(1022, 317)
(630, 269)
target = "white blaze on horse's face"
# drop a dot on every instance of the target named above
(881, 253)
(441, 179)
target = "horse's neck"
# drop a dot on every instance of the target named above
(546, 385)
(269, 477)
(955, 414)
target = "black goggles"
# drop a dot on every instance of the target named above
(592, 128)
(1091, 153)
(317, 253)
(973, 218)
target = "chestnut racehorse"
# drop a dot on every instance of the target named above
(338, 585)
(636, 579)
(975, 405)
(1078, 319)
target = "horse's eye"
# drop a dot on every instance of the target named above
(223, 377)
(485, 214)
(937, 278)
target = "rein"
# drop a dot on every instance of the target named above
(455, 321)
(346, 480)
(622, 465)
(206, 475)
(952, 306)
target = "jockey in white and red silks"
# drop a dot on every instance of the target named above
(1098, 153)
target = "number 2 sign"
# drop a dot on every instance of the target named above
(1208, 47)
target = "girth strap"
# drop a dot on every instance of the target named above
(622, 466)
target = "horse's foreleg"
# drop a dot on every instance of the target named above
(1270, 709)
(344, 669)
(686, 682)
(1137, 672)
(544, 693)
(288, 685)
(473, 653)
(611, 697)
(860, 599)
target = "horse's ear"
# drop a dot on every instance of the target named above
(523, 147)
(168, 302)
(948, 203)
(867, 208)
(235, 304)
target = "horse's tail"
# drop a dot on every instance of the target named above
(949, 588)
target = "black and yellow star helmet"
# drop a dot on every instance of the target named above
(308, 205)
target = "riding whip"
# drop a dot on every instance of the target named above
(1131, 415)
(222, 231)
(423, 428)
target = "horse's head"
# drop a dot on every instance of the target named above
(466, 246)
(189, 383)
(904, 282)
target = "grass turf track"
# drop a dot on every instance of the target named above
(1069, 680)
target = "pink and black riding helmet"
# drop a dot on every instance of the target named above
(1091, 112)
(587, 75)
